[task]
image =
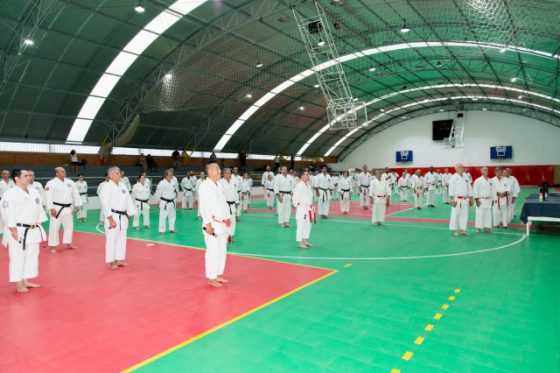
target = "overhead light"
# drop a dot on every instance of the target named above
(301, 108)
(382, 110)
(259, 65)
(355, 99)
(321, 43)
(520, 97)
(503, 50)
(28, 41)
(249, 95)
(168, 76)
(514, 79)
(439, 64)
(372, 69)
(484, 109)
(475, 99)
(441, 110)
(316, 85)
(139, 8)
(404, 117)
(405, 28)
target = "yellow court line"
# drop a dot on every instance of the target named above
(348, 265)
(231, 321)
(407, 356)
(419, 340)
(201, 249)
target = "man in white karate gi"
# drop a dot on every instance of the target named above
(141, 199)
(445, 186)
(431, 186)
(283, 192)
(379, 194)
(345, 186)
(216, 219)
(264, 179)
(460, 192)
(166, 193)
(82, 187)
(188, 185)
(418, 187)
(23, 213)
(118, 207)
(229, 188)
(302, 200)
(484, 192)
(514, 190)
(63, 199)
(364, 181)
(501, 199)
(322, 185)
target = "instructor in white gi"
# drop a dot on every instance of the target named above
(62, 198)
(484, 192)
(22, 211)
(460, 191)
(380, 193)
(283, 192)
(118, 207)
(305, 215)
(216, 217)
(166, 192)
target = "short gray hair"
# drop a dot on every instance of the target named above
(113, 169)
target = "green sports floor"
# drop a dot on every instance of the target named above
(406, 297)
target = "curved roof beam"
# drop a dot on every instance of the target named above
(122, 62)
(429, 87)
(430, 100)
(368, 52)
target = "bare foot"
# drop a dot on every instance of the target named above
(222, 280)
(171, 231)
(456, 233)
(21, 289)
(71, 247)
(114, 266)
(122, 263)
(487, 230)
(288, 225)
(308, 244)
(53, 250)
(30, 284)
(215, 283)
(463, 233)
(477, 230)
(303, 246)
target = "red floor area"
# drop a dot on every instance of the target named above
(87, 318)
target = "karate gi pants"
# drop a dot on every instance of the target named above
(431, 197)
(187, 200)
(418, 197)
(323, 202)
(167, 213)
(484, 214)
(67, 222)
(269, 199)
(445, 194)
(459, 216)
(24, 264)
(284, 208)
(501, 211)
(143, 210)
(101, 216)
(364, 196)
(245, 202)
(216, 253)
(303, 230)
(82, 212)
(115, 244)
(345, 202)
(511, 209)
(404, 194)
(232, 221)
(378, 210)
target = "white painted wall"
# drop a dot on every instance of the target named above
(534, 142)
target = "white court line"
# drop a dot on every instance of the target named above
(388, 258)
(99, 230)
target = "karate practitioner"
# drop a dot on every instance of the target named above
(404, 186)
(514, 190)
(379, 194)
(166, 192)
(237, 181)
(5, 184)
(431, 185)
(484, 192)
(364, 181)
(118, 207)
(345, 190)
(126, 181)
(99, 189)
(283, 192)
(141, 198)
(229, 189)
(215, 224)
(445, 186)
(38, 187)
(199, 182)
(418, 186)
(188, 185)
(82, 187)
(246, 185)
(323, 192)
(334, 187)
(63, 198)
(269, 192)
(460, 191)
(501, 199)
(264, 180)
(22, 211)
(302, 200)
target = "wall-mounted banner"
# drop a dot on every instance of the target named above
(501, 152)
(404, 155)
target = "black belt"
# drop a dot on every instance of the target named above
(282, 192)
(168, 201)
(344, 191)
(188, 189)
(229, 204)
(121, 214)
(142, 201)
(62, 206)
(27, 228)
(83, 194)
(272, 190)
(324, 195)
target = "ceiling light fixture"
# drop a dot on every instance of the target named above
(321, 43)
(441, 110)
(520, 97)
(139, 8)
(28, 41)
(259, 65)
(503, 50)
(301, 108)
(382, 110)
(372, 69)
(316, 86)
(405, 28)
(249, 95)
(514, 79)
(168, 76)
(484, 109)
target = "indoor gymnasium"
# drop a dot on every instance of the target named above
(280, 186)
